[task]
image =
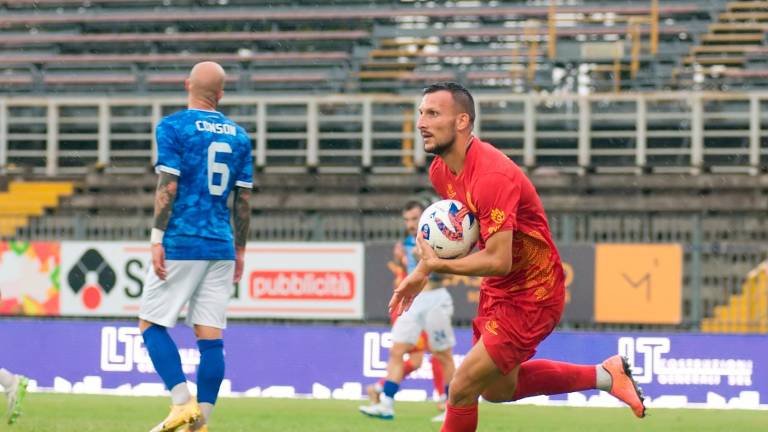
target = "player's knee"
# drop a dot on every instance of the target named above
(205, 332)
(463, 390)
(398, 350)
(144, 325)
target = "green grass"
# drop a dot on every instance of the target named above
(81, 413)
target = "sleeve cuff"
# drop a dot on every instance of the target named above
(243, 184)
(169, 170)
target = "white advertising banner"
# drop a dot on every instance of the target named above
(280, 280)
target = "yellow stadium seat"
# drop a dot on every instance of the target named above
(27, 199)
(745, 312)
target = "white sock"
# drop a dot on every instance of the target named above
(604, 380)
(180, 394)
(6, 379)
(387, 401)
(206, 408)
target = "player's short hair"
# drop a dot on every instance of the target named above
(412, 204)
(461, 96)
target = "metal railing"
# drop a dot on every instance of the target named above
(645, 132)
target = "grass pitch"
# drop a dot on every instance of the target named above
(84, 413)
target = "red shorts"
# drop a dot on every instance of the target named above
(512, 327)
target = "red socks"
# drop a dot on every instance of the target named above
(460, 419)
(437, 376)
(548, 377)
(536, 377)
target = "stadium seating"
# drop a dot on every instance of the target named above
(731, 53)
(746, 311)
(335, 157)
(378, 46)
(25, 200)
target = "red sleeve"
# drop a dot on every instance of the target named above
(496, 199)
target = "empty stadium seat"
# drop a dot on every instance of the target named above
(373, 43)
(24, 200)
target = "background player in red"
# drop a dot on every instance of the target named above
(523, 291)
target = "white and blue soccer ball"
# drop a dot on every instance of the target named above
(449, 228)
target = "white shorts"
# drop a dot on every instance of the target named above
(431, 312)
(205, 285)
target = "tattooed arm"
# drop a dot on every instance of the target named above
(242, 204)
(164, 198)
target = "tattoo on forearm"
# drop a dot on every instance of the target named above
(164, 197)
(242, 215)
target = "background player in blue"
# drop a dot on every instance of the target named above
(426, 325)
(202, 157)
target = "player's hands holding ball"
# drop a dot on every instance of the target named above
(446, 230)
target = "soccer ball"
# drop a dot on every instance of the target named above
(449, 228)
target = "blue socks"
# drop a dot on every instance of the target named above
(390, 388)
(210, 373)
(165, 355)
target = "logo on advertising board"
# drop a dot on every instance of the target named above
(29, 278)
(93, 277)
(102, 278)
(639, 283)
(652, 362)
(306, 285)
(376, 346)
(292, 280)
(301, 280)
(122, 350)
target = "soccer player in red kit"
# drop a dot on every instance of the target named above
(522, 293)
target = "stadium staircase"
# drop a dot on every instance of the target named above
(24, 200)
(745, 312)
(731, 46)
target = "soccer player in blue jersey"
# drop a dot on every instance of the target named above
(202, 157)
(427, 325)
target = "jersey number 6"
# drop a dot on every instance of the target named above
(217, 167)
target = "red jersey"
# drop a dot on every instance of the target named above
(494, 188)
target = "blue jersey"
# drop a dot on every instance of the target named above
(409, 244)
(210, 154)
